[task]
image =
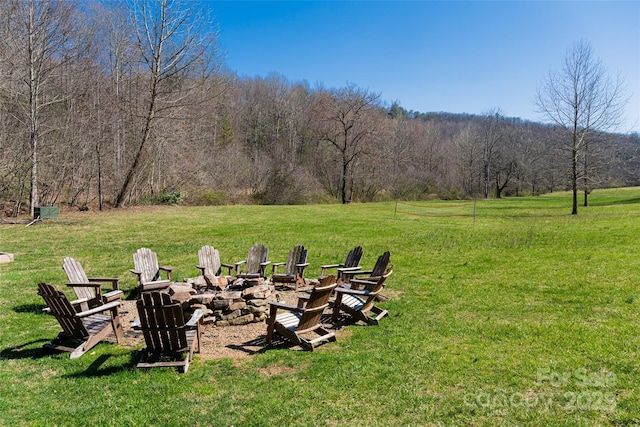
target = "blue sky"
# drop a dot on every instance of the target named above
(453, 56)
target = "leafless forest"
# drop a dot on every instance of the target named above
(104, 104)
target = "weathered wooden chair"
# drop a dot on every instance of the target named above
(147, 271)
(351, 263)
(293, 268)
(89, 288)
(360, 303)
(82, 329)
(297, 323)
(255, 264)
(210, 265)
(170, 341)
(372, 275)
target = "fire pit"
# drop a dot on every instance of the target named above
(236, 302)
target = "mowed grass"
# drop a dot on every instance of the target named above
(524, 316)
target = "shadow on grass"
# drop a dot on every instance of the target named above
(96, 368)
(280, 342)
(259, 345)
(30, 308)
(21, 352)
(616, 202)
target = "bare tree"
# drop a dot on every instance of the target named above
(173, 46)
(581, 99)
(348, 127)
(40, 42)
(491, 136)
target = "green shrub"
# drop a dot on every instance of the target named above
(169, 197)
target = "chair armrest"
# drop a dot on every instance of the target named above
(113, 280)
(114, 295)
(361, 272)
(156, 282)
(79, 301)
(284, 306)
(100, 309)
(84, 285)
(343, 290)
(195, 318)
(167, 270)
(331, 266)
(362, 282)
(304, 264)
(264, 264)
(227, 266)
(324, 268)
(238, 264)
(349, 269)
(275, 266)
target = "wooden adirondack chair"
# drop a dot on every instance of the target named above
(84, 328)
(89, 288)
(170, 340)
(371, 275)
(296, 323)
(210, 265)
(255, 264)
(147, 271)
(351, 263)
(360, 303)
(294, 267)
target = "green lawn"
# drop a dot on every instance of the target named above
(524, 316)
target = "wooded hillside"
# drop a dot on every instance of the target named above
(105, 103)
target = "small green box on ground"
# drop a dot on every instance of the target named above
(45, 212)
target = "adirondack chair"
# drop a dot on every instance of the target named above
(351, 263)
(370, 275)
(360, 303)
(170, 341)
(295, 323)
(294, 267)
(255, 264)
(147, 271)
(210, 265)
(89, 288)
(83, 329)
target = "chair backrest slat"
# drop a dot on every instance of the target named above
(162, 322)
(381, 264)
(258, 254)
(353, 257)
(146, 262)
(297, 255)
(209, 258)
(317, 302)
(63, 311)
(75, 274)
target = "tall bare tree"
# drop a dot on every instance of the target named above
(581, 99)
(347, 116)
(174, 47)
(40, 41)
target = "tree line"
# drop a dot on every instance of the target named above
(104, 104)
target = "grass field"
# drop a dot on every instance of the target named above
(525, 315)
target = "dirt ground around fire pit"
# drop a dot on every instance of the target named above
(235, 342)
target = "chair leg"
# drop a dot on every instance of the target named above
(271, 324)
(117, 326)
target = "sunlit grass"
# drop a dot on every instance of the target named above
(481, 310)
